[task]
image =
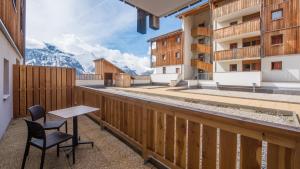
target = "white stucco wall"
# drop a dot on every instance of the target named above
(225, 66)
(188, 40)
(163, 78)
(169, 69)
(6, 106)
(238, 78)
(290, 69)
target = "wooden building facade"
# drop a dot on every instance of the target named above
(12, 15)
(167, 49)
(107, 71)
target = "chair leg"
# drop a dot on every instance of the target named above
(43, 159)
(57, 150)
(66, 125)
(73, 151)
(25, 155)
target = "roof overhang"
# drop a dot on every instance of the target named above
(161, 8)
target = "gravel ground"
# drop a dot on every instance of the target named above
(233, 112)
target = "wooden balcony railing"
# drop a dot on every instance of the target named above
(89, 77)
(201, 31)
(246, 27)
(207, 67)
(234, 6)
(201, 48)
(240, 53)
(177, 134)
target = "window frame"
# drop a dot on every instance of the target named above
(277, 10)
(164, 57)
(178, 39)
(14, 3)
(273, 67)
(176, 55)
(230, 67)
(6, 72)
(275, 44)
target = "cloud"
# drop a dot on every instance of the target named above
(34, 44)
(85, 53)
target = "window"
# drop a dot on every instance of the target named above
(201, 41)
(14, 2)
(177, 55)
(246, 67)
(234, 23)
(22, 16)
(164, 57)
(177, 70)
(201, 25)
(164, 43)
(6, 77)
(178, 39)
(277, 39)
(153, 45)
(164, 70)
(201, 56)
(233, 67)
(278, 14)
(233, 45)
(277, 65)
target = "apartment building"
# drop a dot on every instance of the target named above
(256, 42)
(167, 58)
(12, 48)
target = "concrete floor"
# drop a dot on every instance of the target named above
(108, 152)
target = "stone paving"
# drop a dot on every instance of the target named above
(108, 152)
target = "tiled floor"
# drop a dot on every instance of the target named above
(108, 152)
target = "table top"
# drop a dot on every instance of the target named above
(73, 111)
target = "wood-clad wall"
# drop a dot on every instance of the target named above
(14, 21)
(103, 66)
(288, 26)
(51, 87)
(169, 50)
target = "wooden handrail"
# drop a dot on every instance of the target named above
(208, 67)
(245, 27)
(170, 132)
(239, 53)
(201, 31)
(202, 48)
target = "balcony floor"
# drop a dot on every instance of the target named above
(108, 151)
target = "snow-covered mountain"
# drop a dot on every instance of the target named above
(50, 55)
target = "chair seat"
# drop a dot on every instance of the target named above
(51, 139)
(55, 124)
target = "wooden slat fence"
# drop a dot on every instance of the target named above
(51, 87)
(190, 138)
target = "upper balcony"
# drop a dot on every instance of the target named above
(242, 30)
(201, 48)
(236, 8)
(251, 52)
(199, 64)
(201, 31)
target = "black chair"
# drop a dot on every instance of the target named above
(37, 137)
(37, 112)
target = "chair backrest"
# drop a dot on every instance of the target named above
(35, 130)
(37, 112)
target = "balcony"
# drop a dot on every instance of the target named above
(201, 48)
(144, 122)
(242, 30)
(199, 64)
(201, 31)
(240, 53)
(236, 8)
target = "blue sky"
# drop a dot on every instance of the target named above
(92, 29)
